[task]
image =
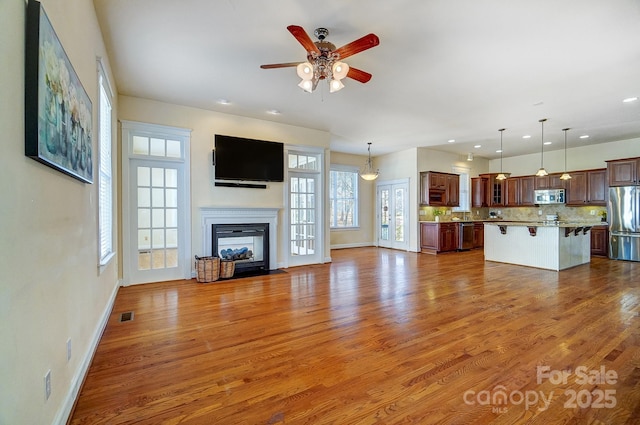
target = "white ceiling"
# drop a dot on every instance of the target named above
(444, 69)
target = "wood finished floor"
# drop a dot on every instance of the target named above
(376, 337)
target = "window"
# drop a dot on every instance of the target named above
(105, 176)
(343, 196)
(464, 192)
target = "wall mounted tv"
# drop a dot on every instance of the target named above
(237, 158)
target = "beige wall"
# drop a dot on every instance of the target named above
(204, 125)
(50, 286)
(434, 160)
(581, 158)
(364, 234)
(403, 165)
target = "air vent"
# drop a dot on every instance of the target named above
(126, 317)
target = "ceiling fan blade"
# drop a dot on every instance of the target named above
(303, 38)
(279, 65)
(357, 46)
(358, 75)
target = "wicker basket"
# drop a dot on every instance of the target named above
(207, 269)
(227, 268)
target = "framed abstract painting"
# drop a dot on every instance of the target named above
(58, 115)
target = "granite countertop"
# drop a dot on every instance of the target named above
(549, 224)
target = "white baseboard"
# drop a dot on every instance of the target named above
(352, 245)
(74, 389)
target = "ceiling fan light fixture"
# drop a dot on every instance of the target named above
(339, 70)
(305, 71)
(367, 172)
(306, 85)
(335, 85)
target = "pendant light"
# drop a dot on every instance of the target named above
(367, 172)
(502, 175)
(542, 172)
(565, 175)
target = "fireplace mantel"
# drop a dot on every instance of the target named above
(241, 215)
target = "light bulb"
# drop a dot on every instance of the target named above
(305, 70)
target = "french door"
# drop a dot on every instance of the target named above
(156, 241)
(391, 219)
(304, 206)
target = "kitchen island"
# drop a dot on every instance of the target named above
(552, 246)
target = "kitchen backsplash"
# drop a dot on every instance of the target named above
(580, 214)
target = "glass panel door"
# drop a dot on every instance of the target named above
(305, 203)
(155, 227)
(392, 214)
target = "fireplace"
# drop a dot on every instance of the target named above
(244, 216)
(245, 243)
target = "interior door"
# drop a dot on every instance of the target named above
(155, 247)
(392, 205)
(305, 206)
(155, 204)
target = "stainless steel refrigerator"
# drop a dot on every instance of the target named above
(624, 223)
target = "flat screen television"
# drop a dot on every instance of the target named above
(237, 158)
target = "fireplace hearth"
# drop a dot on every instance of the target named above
(245, 243)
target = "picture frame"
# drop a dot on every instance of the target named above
(58, 111)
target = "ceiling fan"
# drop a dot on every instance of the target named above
(324, 60)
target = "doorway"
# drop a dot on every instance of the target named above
(392, 202)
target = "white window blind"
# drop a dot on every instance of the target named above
(105, 178)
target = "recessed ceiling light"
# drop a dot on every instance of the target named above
(451, 140)
(584, 136)
(630, 99)
(477, 146)
(526, 136)
(273, 112)
(224, 102)
(547, 143)
(499, 151)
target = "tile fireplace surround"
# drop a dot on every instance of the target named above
(238, 215)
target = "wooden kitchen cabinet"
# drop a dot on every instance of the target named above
(512, 192)
(478, 235)
(519, 191)
(429, 239)
(453, 190)
(552, 181)
(624, 172)
(495, 191)
(438, 237)
(587, 188)
(439, 189)
(448, 237)
(479, 192)
(600, 241)
(527, 195)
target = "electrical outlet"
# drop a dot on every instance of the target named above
(593, 212)
(47, 385)
(423, 212)
(539, 212)
(69, 349)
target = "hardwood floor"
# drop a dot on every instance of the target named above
(376, 337)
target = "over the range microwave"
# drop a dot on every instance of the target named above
(549, 196)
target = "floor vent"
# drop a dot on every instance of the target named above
(126, 317)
